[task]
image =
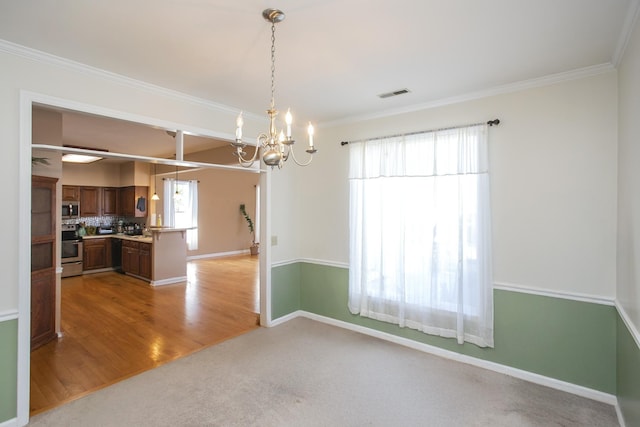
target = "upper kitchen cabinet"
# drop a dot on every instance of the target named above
(110, 196)
(70, 193)
(134, 201)
(90, 201)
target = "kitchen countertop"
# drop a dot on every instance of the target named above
(145, 239)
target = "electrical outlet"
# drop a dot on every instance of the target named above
(274, 240)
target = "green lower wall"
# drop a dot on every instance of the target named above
(564, 339)
(285, 285)
(628, 375)
(8, 369)
(568, 340)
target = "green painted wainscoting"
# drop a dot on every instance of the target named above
(563, 339)
(8, 369)
(285, 289)
(628, 375)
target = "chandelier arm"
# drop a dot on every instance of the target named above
(293, 156)
(259, 144)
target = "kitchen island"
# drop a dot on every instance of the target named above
(159, 257)
(169, 261)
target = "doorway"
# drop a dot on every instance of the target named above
(27, 102)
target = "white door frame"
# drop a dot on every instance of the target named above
(27, 99)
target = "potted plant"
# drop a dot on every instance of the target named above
(255, 247)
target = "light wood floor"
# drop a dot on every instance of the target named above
(115, 326)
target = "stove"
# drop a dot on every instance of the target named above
(71, 253)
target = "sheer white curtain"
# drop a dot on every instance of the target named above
(192, 233)
(169, 214)
(181, 208)
(420, 235)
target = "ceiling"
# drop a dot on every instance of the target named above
(333, 58)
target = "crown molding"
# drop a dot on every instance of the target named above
(57, 61)
(39, 56)
(551, 79)
(633, 11)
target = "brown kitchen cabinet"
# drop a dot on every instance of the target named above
(131, 257)
(90, 201)
(136, 258)
(71, 193)
(96, 254)
(43, 243)
(145, 260)
(110, 201)
(130, 201)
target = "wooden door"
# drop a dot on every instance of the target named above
(43, 243)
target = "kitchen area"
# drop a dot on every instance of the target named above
(106, 220)
(105, 229)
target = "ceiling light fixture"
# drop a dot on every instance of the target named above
(80, 158)
(275, 146)
(77, 154)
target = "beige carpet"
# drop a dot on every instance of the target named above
(305, 373)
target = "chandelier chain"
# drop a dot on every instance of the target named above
(273, 64)
(275, 147)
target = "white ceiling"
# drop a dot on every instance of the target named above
(332, 57)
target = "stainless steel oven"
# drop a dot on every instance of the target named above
(71, 253)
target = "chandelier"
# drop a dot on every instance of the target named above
(275, 146)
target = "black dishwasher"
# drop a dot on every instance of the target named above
(116, 254)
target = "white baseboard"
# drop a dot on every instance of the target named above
(620, 416)
(13, 422)
(290, 316)
(492, 366)
(169, 281)
(218, 255)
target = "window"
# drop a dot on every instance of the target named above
(181, 208)
(420, 250)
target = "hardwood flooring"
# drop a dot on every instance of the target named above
(115, 326)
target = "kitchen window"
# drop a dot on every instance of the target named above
(181, 209)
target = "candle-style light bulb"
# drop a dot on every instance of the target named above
(281, 136)
(310, 131)
(288, 120)
(239, 123)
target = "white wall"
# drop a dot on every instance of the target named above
(553, 175)
(628, 287)
(150, 106)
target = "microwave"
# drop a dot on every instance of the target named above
(70, 209)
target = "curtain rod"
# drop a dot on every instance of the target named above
(490, 123)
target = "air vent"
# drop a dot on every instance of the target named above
(394, 93)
